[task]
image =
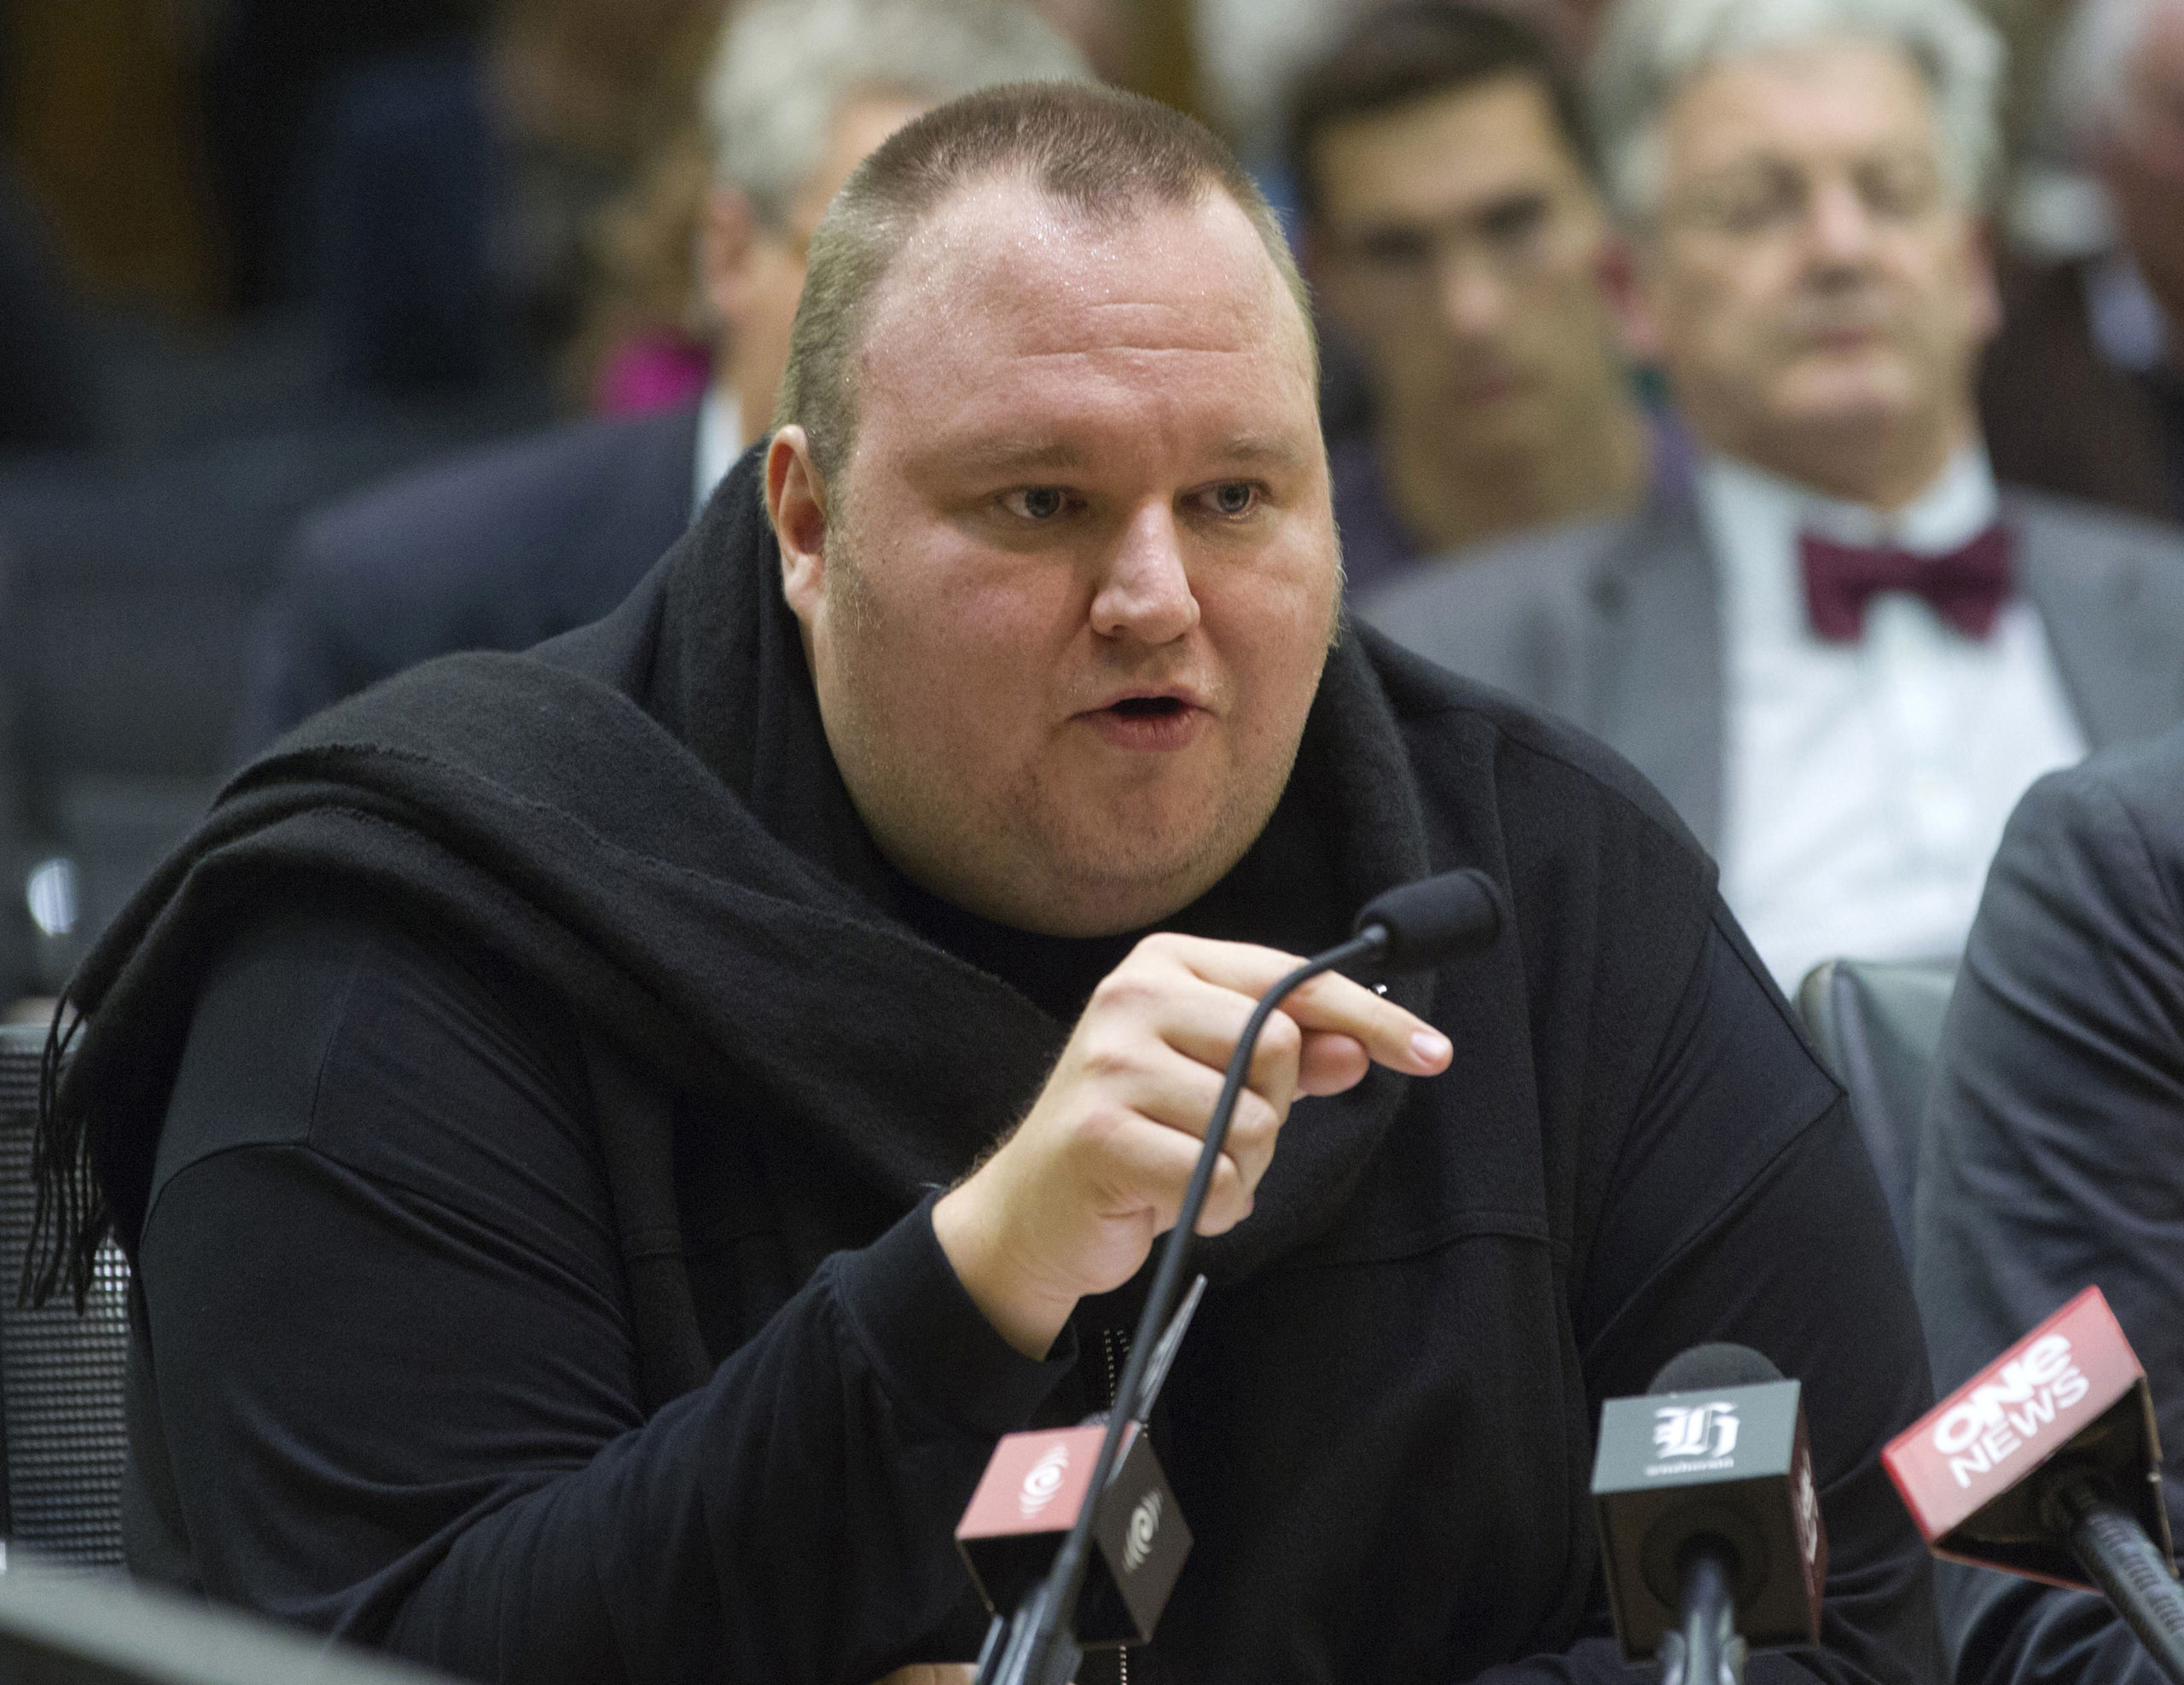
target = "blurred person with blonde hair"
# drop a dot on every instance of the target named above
(1846, 656)
(507, 546)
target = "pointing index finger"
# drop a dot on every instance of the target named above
(1329, 1004)
(1332, 1003)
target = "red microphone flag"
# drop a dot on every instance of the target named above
(2071, 1385)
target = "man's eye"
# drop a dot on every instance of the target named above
(1513, 221)
(1233, 498)
(1394, 248)
(1036, 502)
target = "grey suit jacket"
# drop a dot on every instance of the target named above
(2053, 1156)
(1617, 625)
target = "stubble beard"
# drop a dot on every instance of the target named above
(1033, 853)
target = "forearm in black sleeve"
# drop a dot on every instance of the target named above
(2050, 1161)
(791, 1520)
(397, 1384)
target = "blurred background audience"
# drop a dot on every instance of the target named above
(1845, 655)
(1454, 233)
(517, 542)
(2084, 389)
(338, 335)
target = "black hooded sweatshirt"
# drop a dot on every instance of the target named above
(523, 1099)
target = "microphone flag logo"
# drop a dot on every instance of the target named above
(1708, 1430)
(1044, 1481)
(1144, 1523)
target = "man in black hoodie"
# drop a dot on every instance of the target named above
(602, 1132)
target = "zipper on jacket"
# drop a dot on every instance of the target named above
(1114, 1346)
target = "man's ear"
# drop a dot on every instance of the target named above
(726, 238)
(1623, 284)
(796, 503)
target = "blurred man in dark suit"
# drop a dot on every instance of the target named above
(1846, 655)
(1454, 231)
(2083, 392)
(2051, 1159)
(512, 544)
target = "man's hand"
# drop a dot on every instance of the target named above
(1072, 1202)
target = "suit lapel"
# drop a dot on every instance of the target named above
(2116, 650)
(1657, 692)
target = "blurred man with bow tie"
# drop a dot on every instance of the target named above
(1846, 652)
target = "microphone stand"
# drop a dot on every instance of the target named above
(2127, 1566)
(1040, 1648)
(1707, 1650)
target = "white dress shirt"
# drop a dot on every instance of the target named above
(720, 442)
(1868, 783)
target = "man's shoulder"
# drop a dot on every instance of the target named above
(1459, 727)
(506, 499)
(1522, 614)
(2124, 804)
(1534, 566)
(1469, 597)
(2048, 522)
(2090, 559)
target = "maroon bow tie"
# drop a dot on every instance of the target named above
(1965, 587)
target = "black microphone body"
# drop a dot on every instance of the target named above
(1709, 1519)
(1412, 927)
(1707, 1564)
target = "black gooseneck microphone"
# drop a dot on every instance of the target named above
(1406, 929)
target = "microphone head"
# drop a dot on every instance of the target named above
(2069, 1397)
(1027, 1500)
(1705, 1368)
(1716, 1451)
(1432, 920)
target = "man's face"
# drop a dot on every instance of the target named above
(1809, 274)
(755, 270)
(2142, 159)
(1458, 238)
(1067, 603)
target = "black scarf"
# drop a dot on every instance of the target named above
(644, 815)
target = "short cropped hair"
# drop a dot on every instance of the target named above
(784, 67)
(1412, 51)
(1651, 48)
(1105, 155)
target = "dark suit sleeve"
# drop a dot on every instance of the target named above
(395, 1371)
(295, 665)
(1742, 1208)
(2051, 1159)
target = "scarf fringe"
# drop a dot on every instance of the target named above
(71, 1219)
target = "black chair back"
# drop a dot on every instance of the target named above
(61, 1425)
(1879, 1025)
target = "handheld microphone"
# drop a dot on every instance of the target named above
(2046, 1464)
(1709, 1525)
(1409, 928)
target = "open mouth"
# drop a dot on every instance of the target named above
(1148, 707)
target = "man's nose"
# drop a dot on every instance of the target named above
(1839, 226)
(1474, 298)
(1146, 592)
